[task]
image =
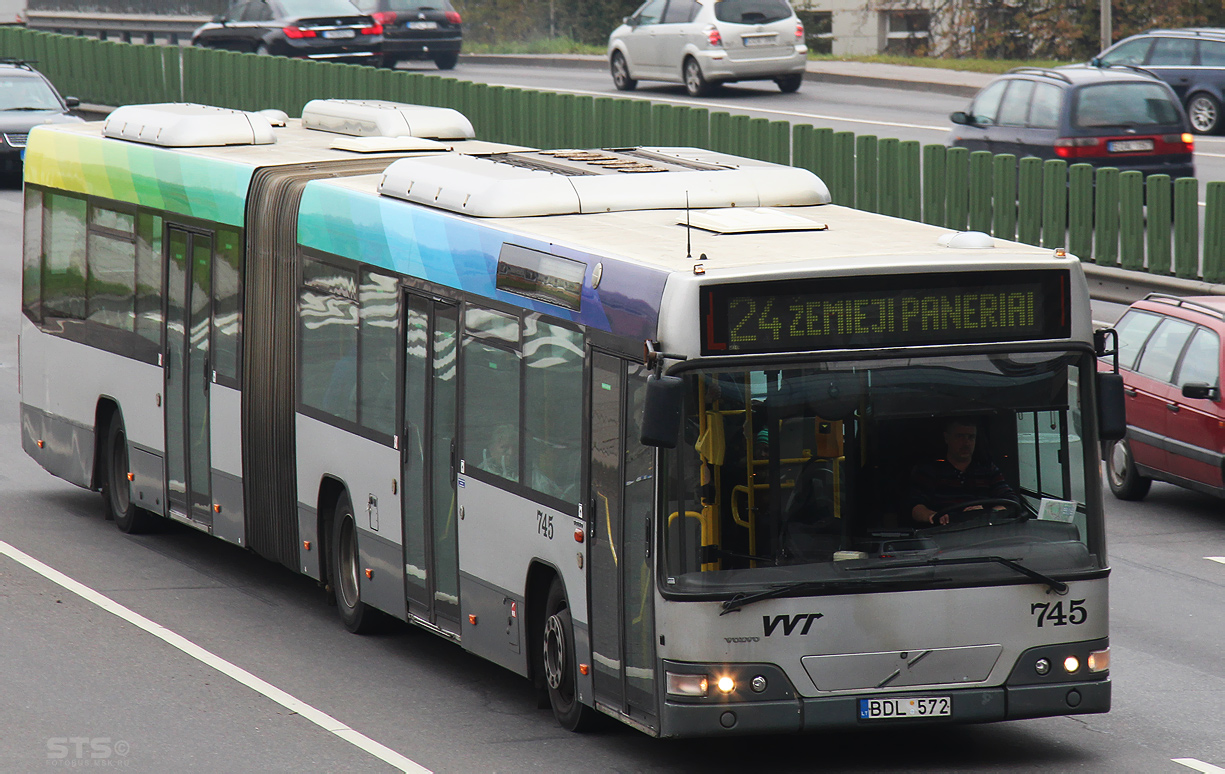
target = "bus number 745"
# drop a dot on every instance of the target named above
(1076, 614)
(544, 524)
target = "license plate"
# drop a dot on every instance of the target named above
(1129, 146)
(338, 34)
(759, 40)
(884, 709)
(423, 25)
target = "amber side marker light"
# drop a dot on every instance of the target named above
(1099, 660)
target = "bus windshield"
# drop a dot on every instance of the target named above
(914, 473)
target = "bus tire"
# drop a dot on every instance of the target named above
(116, 489)
(344, 565)
(557, 662)
(1125, 481)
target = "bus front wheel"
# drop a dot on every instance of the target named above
(116, 486)
(557, 662)
(344, 564)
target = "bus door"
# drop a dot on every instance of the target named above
(428, 460)
(185, 362)
(621, 500)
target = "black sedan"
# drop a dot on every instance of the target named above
(330, 30)
(27, 99)
(417, 29)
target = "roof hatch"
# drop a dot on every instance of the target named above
(526, 183)
(187, 125)
(378, 118)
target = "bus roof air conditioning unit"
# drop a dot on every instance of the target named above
(187, 125)
(533, 183)
(379, 118)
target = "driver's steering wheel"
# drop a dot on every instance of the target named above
(991, 506)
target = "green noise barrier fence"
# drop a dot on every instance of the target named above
(1103, 216)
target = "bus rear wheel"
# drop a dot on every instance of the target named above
(344, 564)
(116, 487)
(558, 665)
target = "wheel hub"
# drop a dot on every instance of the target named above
(554, 651)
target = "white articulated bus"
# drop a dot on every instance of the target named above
(639, 424)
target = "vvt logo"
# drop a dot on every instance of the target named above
(789, 622)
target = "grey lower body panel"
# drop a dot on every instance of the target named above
(64, 448)
(970, 705)
(384, 588)
(496, 630)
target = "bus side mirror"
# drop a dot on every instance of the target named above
(1111, 413)
(661, 411)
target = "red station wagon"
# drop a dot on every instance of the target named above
(1170, 359)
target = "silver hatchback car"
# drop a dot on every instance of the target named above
(702, 43)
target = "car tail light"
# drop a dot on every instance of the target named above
(1178, 143)
(799, 30)
(454, 17)
(713, 37)
(377, 29)
(384, 17)
(297, 32)
(1079, 147)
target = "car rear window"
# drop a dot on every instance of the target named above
(751, 11)
(419, 5)
(1123, 104)
(295, 8)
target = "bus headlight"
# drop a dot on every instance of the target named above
(1071, 665)
(726, 684)
(1099, 660)
(687, 685)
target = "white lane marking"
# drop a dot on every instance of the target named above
(1205, 768)
(1220, 559)
(318, 717)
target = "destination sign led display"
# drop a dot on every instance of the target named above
(884, 311)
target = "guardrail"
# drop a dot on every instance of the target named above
(126, 28)
(1100, 215)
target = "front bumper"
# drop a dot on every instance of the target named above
(973, 705)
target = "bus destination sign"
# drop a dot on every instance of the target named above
(884, 311)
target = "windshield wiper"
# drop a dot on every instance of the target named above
(1059, 587)
(738, 601)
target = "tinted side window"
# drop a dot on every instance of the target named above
(1124, 104)
(63, 280)
(751, 11)
(1172, 52)
(1212, 53)
(329, 339)
(1133, 330)
(1131, 52)
(650, 12)
(679, 11)
(1014, 110)
(1163, 349)
(987, 104)
(1202, 361)
(1046, 106)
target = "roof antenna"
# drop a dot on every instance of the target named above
(688, 231)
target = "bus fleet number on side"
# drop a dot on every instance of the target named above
(544, 524)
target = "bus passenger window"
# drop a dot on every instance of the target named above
(553, 400)
(149, 277)
(329, 339)
(31, 271)
(380, 317)
(491, 409)
(111, 286)
(227, 271)
(64, 257)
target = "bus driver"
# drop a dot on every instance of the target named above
(959, 477)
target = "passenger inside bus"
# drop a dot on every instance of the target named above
(501, 456)
(960, 476)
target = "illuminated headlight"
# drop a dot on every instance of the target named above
(687, 685)
(1099, 660)
(726, 684)
(1071, 665)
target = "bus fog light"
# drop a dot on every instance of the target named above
(686, 685)
(758, 684)
(1099, 660)
(1071, 665)
(1042, 666)
(726, 684)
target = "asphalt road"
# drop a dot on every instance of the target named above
(218, 661)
